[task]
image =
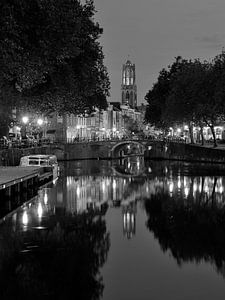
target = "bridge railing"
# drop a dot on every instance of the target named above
(43, 142)
(117, 139)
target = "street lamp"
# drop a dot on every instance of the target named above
(40, 128)
(40, 122)
(25, 119)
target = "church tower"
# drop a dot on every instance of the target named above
(128, 86)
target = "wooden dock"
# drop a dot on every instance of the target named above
(16, 179)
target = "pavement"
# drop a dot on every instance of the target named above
(210, 145)
(12, 175)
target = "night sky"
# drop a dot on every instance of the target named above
(154, 32)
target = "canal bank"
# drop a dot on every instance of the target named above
(79, 151)
(185, 152)
(103, 150)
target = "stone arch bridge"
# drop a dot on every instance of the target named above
(100, 149)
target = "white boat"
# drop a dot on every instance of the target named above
(41, 160)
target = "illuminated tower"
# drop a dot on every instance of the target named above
(128, 86)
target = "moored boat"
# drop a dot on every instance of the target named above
(48, 162)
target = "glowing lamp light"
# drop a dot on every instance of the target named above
(186, 191)
(25, 218)
(45, 199)
(171, 187)
(40, 122)
(178, 130)
(25, 119)
(39, 210)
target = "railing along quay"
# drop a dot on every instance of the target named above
(15, 180)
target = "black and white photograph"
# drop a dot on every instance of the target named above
(112, 150)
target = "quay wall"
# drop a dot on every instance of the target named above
(11, 157)
(159, 150)
(185, 152)
(87, 151)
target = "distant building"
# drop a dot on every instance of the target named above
(128, 86)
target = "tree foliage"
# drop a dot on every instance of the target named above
(50, 56)
(190, 92)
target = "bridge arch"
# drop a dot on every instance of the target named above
(120, 150)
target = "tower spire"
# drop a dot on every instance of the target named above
(128, 86)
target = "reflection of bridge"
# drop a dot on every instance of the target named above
(129, 166)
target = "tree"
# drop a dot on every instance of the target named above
(131, 125)
(50, 57)
(184, 102)
(157, 97)
(189, 92)
(212, 108)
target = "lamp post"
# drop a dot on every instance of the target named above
(40, 123)
(25, 120)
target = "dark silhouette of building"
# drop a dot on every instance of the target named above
(128, 86)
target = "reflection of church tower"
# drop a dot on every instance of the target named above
(128, 87)
(129, 220)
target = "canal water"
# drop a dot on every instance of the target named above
(124, 229)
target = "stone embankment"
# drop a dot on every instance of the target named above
(157, 150)
(11, 157)
(185, 152)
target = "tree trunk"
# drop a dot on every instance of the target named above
(202, 136)
(4, 130)
(191, 133)
(214, 136)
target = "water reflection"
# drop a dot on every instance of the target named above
(187, 216)
(56, 244)
(129, 166)
(50, 252)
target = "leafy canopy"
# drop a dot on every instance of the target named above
(50, 56)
